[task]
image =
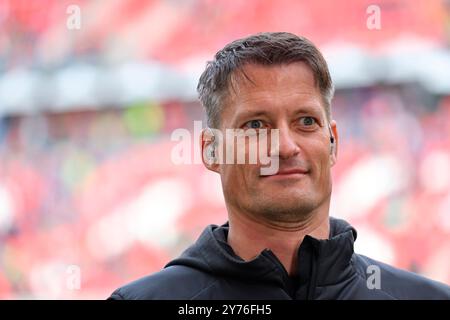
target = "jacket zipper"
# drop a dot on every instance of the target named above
(313, 282)
(269, 254)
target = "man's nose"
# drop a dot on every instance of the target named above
(288, 146)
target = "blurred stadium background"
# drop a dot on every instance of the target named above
(87, 185)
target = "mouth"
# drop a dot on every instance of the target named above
(288, 173)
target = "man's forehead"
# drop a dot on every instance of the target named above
(252, 75)
(257, 85)
(259, 82)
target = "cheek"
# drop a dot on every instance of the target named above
(320, 161)
(246, 149)
(251, 151)
(235, 177)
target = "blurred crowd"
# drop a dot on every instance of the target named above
(98, 190)
(89, 195)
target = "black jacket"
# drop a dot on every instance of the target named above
(327, 269)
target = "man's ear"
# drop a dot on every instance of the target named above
(209, 149)
(334, 150)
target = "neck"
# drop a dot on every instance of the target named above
(249, 236)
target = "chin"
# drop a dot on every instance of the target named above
(287, 195)
(286, 202)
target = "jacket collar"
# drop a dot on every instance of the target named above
(324, 262)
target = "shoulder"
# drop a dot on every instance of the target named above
(174, 282)
(401, 284)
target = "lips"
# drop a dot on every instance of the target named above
(292, 171)
(289, 172)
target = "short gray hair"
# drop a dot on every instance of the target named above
(268, 48)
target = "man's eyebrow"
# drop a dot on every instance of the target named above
(256, 113)
(252, 114)
(308, 110)
(249, 114)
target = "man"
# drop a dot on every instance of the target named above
(279, 242)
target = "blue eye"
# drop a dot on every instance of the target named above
(308, 121)
(254, 124)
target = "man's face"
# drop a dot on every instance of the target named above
(282, 97)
